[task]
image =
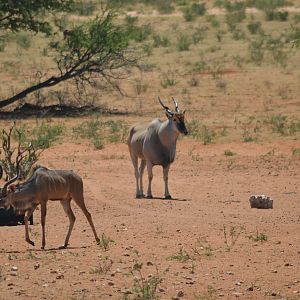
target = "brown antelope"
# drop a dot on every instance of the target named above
(155, 144)
(44, 185)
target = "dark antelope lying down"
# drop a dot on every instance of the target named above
(44, 185)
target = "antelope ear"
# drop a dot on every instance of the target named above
(12, 188)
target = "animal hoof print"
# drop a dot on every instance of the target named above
(168, 197)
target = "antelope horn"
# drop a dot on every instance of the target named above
(4, 190)
(165, 107)
(176, 104)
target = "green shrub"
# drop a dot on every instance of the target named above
(2, 45)
(199, 8)
(194, 10)
(23, 40)
(183, 43)
(201, 132)
(45, 134)
(200, 66)
(139, 34)
(272, 15)
(169, 79)
(84, 8)
(199, 34)
(163, 7)
(256, 51)
(297, 18)
(98, 131)
(254, 27)
(228, 153)
(276, 48)
(238, 34)
(160, 41)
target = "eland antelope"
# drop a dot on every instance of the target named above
(44, 185)
(155, 144)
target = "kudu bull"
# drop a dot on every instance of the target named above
(155, 144)
(44, 185)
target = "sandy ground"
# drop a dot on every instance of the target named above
(209, 225)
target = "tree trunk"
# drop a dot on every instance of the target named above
(47, 83)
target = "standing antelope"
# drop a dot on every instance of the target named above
(44, 185)
(155, 144)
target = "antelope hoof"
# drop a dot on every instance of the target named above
(168, 197)
(138, 196)
(63, 247)
(43, 247)
(149, 196)
(30, 242)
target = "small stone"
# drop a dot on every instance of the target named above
(230, 273)
(60, 276)
(261, 201)
(161, 290)
(126, 291)
(237, 294)
(250, 288)
(110, 283)
(14, 269)
(288, 265)
(36, 266)
(296, 292)
(45, 285)
(13, 273)
(180, 294)
(149, 263)
(273, 294)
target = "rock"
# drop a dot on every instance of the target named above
(36, 266)
(14, 269)
(250, 288)
(110, 283)
(261, 201)
(180, 294)
(237, 294)
(60, 276)
(13, 273)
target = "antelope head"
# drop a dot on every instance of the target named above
(8, 187)
(176, 116)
